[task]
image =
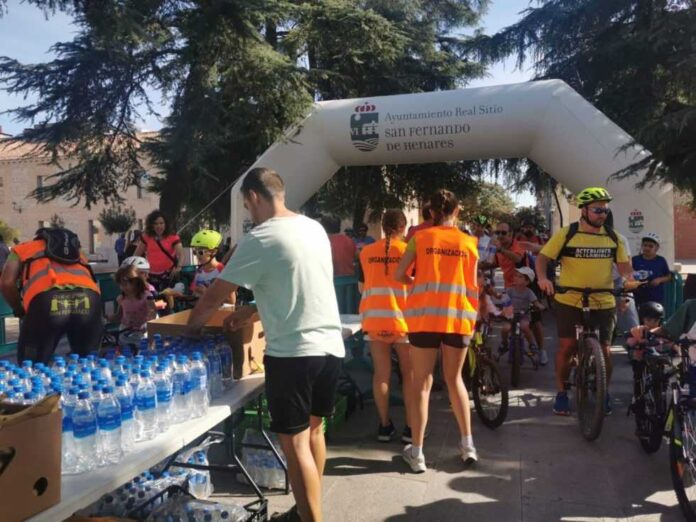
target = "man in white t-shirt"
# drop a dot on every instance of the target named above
(286, 261)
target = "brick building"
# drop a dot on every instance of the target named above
(22, 171)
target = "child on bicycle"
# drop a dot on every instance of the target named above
(135, 307)
(652, 314)
(522, 299)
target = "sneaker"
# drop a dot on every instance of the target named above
(543, 357)
(385, 433)
(417, 464)
(608, 410)
(561, 406)
(406, 435)
(469, 455)
(290, 515)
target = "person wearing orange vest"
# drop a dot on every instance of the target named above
(440, 313)
(53, 297)
(381, 311)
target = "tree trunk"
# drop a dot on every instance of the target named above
(558, 206)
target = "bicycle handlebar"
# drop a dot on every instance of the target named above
(589, 291)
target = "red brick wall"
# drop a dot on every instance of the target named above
(684, 227)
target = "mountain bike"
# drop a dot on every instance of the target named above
(590, 368)
(482, 378)
(519, 348)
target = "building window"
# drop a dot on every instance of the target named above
(94, 237)
(2, 191)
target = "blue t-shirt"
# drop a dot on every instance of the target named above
(657, 267)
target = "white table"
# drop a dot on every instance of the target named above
(78, 491)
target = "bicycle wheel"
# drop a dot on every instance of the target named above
(516, 355)
(682, 460)
(649, 412)
(591, 387)
(490, 394)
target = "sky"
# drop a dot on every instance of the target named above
(27, 35)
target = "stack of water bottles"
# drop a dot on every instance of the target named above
(262, 464)
(193, 510)
(110, 404)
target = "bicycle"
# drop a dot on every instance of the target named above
(652, 376)
(590, 379)
(518, 348)
(482, 378)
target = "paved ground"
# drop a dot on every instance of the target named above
(536, 467)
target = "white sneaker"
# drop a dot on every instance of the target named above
(543, 358)
(417, 463)
(469, 455)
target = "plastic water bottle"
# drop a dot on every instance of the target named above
(181, 404)
(109, 422)
(68, 457)
(85, 433)
(96, 395)
(146, 407)
(199, 385)
(163, 384)
(104, 371)
(215, 373)
(129, 430)
(225, 351)
(37, 387)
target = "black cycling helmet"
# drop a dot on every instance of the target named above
(652, 310)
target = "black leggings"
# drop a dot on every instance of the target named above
(76, 313)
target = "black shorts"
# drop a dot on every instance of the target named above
(297, 387)
(434, 340)
(569, 316)
(76, 313)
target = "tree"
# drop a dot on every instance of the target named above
(633, 59)
(528, 214)
(488, 199)
(117, 219)
(7, 232)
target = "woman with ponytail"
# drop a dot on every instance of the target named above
(381, 310)
(440, 314)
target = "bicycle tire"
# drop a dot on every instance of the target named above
(651, 422)
(488, 382)
(591, 387)
(678, 466)
(516, 362)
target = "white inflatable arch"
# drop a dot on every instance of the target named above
(545, 121)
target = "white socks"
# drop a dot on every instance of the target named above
(467, 441)
(416, 451)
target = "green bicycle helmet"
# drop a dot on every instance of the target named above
(591, 194)
(480, 220)
(208, 239)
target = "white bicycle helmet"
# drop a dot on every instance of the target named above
(138, 262)
(651, 236)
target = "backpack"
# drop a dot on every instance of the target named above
(62, 246)
(574, 229)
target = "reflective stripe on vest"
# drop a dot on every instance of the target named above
(58, 269)
(401, 293)
(444, 288)
(444, 297)
(392, 314)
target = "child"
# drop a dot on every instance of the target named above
(143, 268)
(652, 314)
(135, 309)
(521, 297)
(205, 246)
(651, 268)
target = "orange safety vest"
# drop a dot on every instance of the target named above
(39, 273)
(383, 298)
(444, 296)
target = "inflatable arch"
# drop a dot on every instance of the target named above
(545, 121)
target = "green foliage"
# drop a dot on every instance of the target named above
(633, 59)
(8, 233)
(532, 214)
(117, 219)
(488, 199)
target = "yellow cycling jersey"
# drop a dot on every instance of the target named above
(586, 262)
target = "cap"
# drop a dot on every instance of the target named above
(525, 270)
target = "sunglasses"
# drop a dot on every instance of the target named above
(501, 233)
(201, 252)
(599, 211)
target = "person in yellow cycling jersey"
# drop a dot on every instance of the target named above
(586, 250)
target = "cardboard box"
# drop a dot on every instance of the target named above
(248, 343)
(30, 456)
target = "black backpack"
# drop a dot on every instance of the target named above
(574, 229)
(62, 246)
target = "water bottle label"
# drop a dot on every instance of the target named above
(110, 421)
(164, 395)
(198, 382)
(146, 403)
(188, 386)
(67, 423)
(126, 409)
(86, 428)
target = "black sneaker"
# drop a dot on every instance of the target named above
(406, 435)
(385, 433)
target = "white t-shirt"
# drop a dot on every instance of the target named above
(286, 261)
